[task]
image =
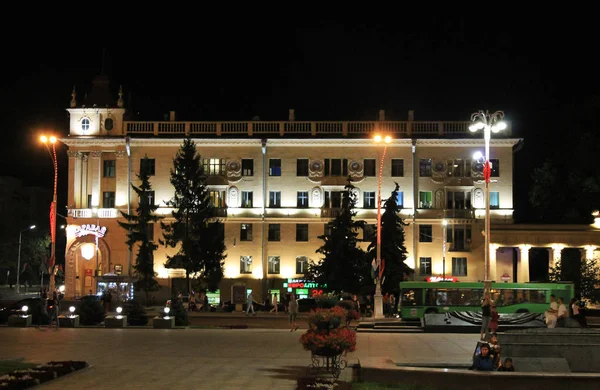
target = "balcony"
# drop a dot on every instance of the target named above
(295, 128)
(459, 213)
(94, 213)
(330, 212)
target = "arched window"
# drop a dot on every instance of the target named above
(108, 124)
(85, 124)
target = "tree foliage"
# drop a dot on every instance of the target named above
(584, 273)
(393, 251)
(140, 227)
(343, 266)
(35, 252)
(194, 230)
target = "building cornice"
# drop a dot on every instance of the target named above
(497, 142)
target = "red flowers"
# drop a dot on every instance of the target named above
(339, 340)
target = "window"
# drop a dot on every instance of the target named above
(302, 167)
(425, 233)
(214, 166)
(458, 200)
(274, 232)
(369, 200)
(301, 263)
(110, 167)
(459, 236)
(89, 201)
(274, 167)
(456, 167)
(397, 167)
(425, 199)
(369, 232)
(246, 198)
(424, 265)
(147, 166)
(494, 200)
(459, 266)
(108, 199)
(245, 264)
(246, 232)
(150, 195)
(336, 167)
(85, 124)
(302, 200)
(333, 199)
(400, 199)
(369, 164)
(247, 167)
(495, 167)
(425, 167)
(108, 124)
(217, 198)
(274, 199)
(301, 232)
(274, 262)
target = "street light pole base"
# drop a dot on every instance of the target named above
(487, 285)
(378, 314)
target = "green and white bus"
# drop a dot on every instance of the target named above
(419, 298)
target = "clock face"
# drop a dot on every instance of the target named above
(234, 166)
(85, 124)
(439, 167)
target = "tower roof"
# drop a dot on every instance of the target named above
(100, 95)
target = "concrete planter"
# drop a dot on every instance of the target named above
(69, 321)
(115, 322)
(19, 321)
(163, 323)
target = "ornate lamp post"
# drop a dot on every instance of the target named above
(489, 123)
(444, 226)
(378, 297)
(52, 140)
(19, 258)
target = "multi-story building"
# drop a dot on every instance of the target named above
(277, 184)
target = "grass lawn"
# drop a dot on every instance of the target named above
(380, 386)
(7, 366)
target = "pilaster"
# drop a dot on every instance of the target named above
(121, 178)
(493, 268)
(523, 266)
(74, 191)
(83, 190)
(95, 171)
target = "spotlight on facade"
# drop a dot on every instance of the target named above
(477, 156)
(72, 309)
(24, 309)
(119, 309)
(167, 310)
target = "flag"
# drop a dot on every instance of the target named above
(382, 268)
(487, 171)
(53, 222)
(51, 261)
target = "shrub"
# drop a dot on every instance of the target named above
(348, 305)
(136, 313)
(337, 340)
(179, 312)
(90, 312)
(326, 301)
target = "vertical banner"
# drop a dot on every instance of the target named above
(53, 222)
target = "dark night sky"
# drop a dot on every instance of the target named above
(542, 74)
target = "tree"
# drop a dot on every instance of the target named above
(584, 273)
(393, 251)
(139, 228)
(546, 194)
(343, 266)
(35, 252)
(194, 230)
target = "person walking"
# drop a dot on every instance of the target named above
(275, 304)
(293, 312)
(250, 304)
(486, 317)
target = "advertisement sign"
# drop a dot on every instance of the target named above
(441, 279)
(84, 230)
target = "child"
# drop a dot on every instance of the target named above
(507, 365)
(495, 318)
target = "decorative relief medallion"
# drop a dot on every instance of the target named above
(233, 195)
(356, 195)
(439, 198)
(316, 197)
(478, 198)
(438, 171)
(234, 170)
(355, 169)
(315, 169)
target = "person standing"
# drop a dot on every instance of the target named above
(495, 319)
(275, 304)
(577, 315)
(250, 304)
(293, 312)
(55, 308)
(551, 314)
(486, 317)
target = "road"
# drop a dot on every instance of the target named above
(207, 358)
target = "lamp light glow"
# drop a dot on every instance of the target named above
(167, 310)
(388, 139)
(119, 309)
(72, 309)
(24, 309)
(377, 138)
(52, 139)
(44, 139)
(31, 227)
(477, 155)
(444, 222)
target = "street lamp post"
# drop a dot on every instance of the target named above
(378, 297)
(444, 226)
(52, 140)
(490, 123)
(19, 258)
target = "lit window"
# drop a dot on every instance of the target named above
(85, 124)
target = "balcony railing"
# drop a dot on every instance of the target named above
(459, 213)
(94, 213)
(312, 128)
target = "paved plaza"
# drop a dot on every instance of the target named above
(207, 358)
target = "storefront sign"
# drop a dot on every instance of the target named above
(441, 279)
(84, 230)
(300, 283)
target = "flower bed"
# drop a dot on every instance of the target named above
(23, 379)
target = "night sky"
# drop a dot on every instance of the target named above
(542, 74)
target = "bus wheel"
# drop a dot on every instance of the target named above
(431, 311)
(522, 311)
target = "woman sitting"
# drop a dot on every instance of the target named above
(484, 361)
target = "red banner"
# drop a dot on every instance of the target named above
(52, 224)
(487, 171)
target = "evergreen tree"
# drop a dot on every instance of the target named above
(393, 251)
(343, 266)
(584, 273)
(196, 233)
(139, 228)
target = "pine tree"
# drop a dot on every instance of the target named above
(139, 227)
(194, 230)
(343, 267)
(584, 273)
(393, 251)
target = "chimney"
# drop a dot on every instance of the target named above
(411, 115)
(292, 115)
(382, 115)
(172, 116)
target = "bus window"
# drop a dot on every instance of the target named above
(538, 296)
(412, 297)
(430, 296)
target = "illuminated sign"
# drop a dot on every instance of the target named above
(300, 283)
(84, 230)
(441, 279)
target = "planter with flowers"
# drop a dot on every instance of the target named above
(328, 340)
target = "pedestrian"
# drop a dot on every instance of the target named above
(577, 313)
(55, 308)
(486, 316)
(44, 308)
(507, 365)
(275, 304)
(250, 304)
(561, 320)
(552, 313)
(293, 312)
(494, 319)
(484, 361)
